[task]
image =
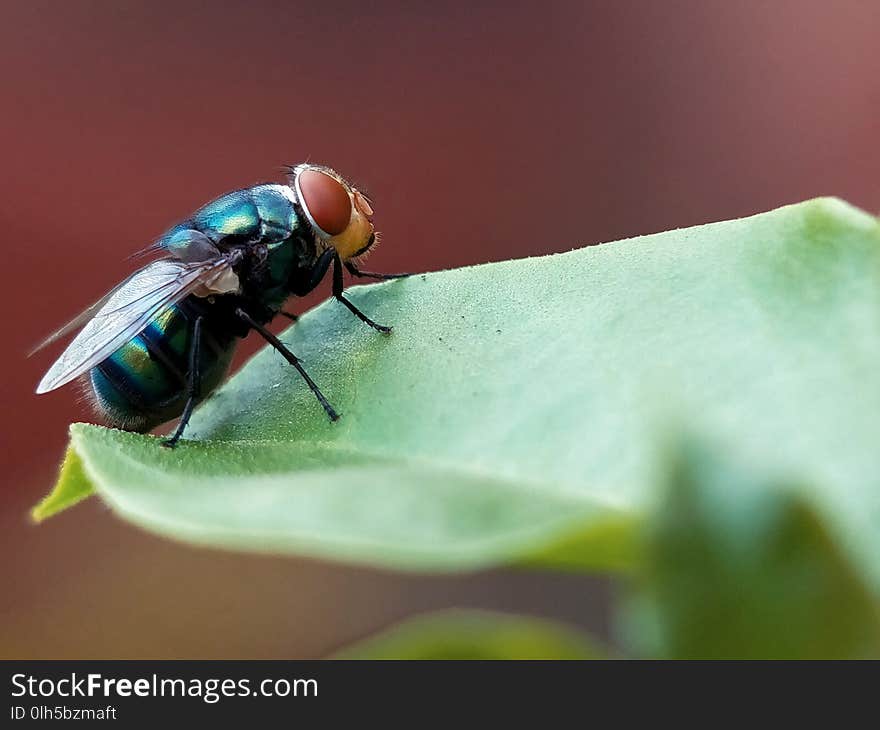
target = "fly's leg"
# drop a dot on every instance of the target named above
(291, 358)
(309, 279)
(193, 386)
(355, 271)
(290, 315)
(337, 292)
(317, 272)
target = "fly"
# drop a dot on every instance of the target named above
(162, 340)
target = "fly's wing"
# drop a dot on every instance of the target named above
(80, 319)
(128, 309)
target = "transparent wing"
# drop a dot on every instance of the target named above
(126, 311)
(80, 319)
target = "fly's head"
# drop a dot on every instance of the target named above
(340, 215)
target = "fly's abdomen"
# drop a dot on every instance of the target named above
(144, 383)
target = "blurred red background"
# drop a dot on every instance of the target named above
(482, 131)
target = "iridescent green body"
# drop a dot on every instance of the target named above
(144, 383)
(264, 214)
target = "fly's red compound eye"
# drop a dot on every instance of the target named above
(326, 201)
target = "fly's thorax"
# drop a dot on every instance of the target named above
(265, 270)
(264, 214)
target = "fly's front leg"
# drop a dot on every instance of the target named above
(337, 292)
(355, 271)
(193, 387)
(291, 358)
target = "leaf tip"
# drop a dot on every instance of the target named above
(72, 487)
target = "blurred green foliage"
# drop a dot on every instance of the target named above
(738, 566)
(475, 635)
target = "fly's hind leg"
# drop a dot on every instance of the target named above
(193, 387)
(291, 358)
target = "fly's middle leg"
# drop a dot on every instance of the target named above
(291, 358)
(194, 384)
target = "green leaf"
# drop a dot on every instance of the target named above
(522, 412)
(323, 500)
(475, 635)
(737, 567)
(73, 487)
